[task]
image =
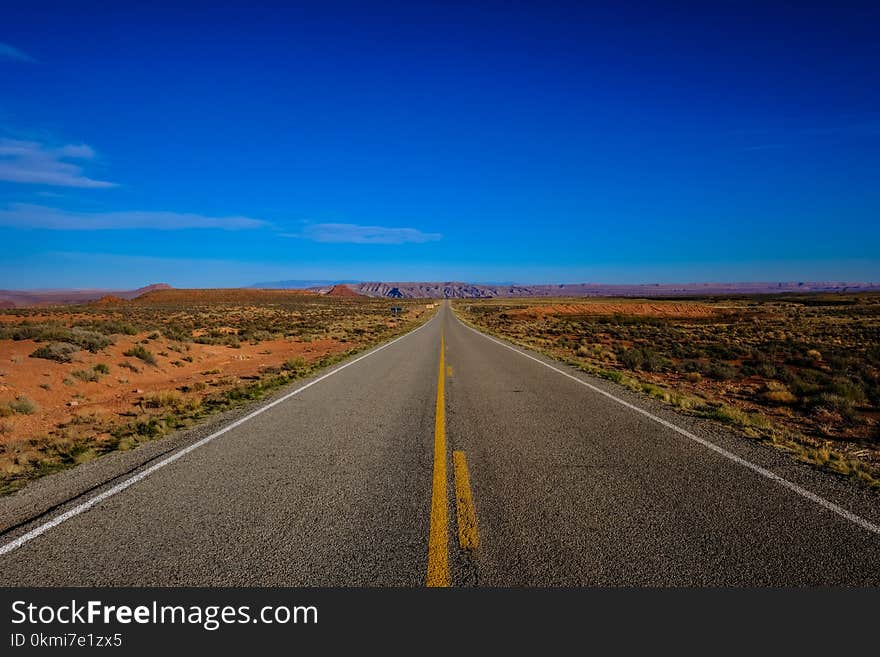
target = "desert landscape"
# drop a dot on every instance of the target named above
(801, 372)
(532, 295)
(78, 381)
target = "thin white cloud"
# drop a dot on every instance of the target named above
(355, 234)
(31, 162)
(26, 215)
(11, 52)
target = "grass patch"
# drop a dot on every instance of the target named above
(85, 375)
(91, 375)
(174, 400)
(296, 364)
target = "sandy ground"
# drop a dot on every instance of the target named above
(59, 396)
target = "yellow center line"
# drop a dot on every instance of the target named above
(468, 537)
(438, 539)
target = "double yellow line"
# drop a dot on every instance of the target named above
(438, 538)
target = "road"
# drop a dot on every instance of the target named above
(474, 464)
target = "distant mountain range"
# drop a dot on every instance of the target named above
(456, 290)
(473, 291)
(61, 297)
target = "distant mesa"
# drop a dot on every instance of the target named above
(144, 290)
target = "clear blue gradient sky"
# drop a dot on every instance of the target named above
(530, 142)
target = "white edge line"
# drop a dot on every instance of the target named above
(800, 490)
(118, 488)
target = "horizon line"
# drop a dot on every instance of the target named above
(326, 282)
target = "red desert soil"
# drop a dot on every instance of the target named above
(122, 389)
(600, 308)
(342, 291)
(219, 295)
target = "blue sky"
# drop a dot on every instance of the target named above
(530, 142)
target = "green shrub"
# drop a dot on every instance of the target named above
(834, 402)
(85, 375)
(779, 397)
(81, 337)
(720, 371)
(118, 327)
(850, 391)
(61, 352)
(644, 359)
(142, 353)
(90, 340)
(176, 332)
(296, 364)
(21, 405)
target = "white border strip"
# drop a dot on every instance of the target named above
(118, 488)
(803, 492)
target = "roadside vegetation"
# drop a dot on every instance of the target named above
(116, 375)
(801, 372)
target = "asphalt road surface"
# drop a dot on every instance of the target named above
(470, 464)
